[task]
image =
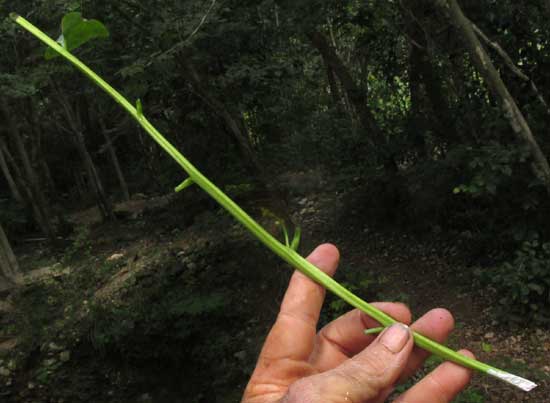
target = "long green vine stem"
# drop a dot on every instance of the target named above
(283, 251)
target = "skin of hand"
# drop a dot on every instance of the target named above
(340, 364)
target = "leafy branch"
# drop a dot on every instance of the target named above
(285, 251)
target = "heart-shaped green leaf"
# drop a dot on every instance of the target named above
(76, 31)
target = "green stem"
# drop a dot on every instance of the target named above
(374, 330)
(283, 251)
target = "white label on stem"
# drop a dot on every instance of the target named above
(517, 381)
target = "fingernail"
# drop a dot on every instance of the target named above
(395, 337)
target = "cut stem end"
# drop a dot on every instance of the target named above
(519, 382)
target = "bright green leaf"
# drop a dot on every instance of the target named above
(76, 31)
(71, 21)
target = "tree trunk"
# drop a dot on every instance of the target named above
(420, 61)
(331, 33)
(277, 22)
(356, 95)
(75, 123)
(9, 269)
(18, 176)
(38, 152)
(512, 66)
(93, 176)
(25, 191)
(9, 178)
(499, 90)
(114, 159)
(80, 186)
(278, 200)
(37, 197)
(230, 122)
(417, 120)
(333, 86)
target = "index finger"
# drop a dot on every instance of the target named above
(293, 333)
(441, 385)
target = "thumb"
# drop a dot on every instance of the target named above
(367, 376)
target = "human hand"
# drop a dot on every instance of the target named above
(340, 363)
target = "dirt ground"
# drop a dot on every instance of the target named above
(423, 271)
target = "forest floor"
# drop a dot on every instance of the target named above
(86, 325)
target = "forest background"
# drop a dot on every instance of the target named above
(413, 134)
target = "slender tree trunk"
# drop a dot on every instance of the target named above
(114, 159)
(9, 178)
(75, 123)
(80, 186)
(334, 90)
(331, 33)
(18, 176)
(340, 100)
(279, 204)
(277, 23)
(356, 95)
(440, 105)
(25, 191)
(47, 174)
(93, 176)
(230, 122)
(38, 152)
(417, 125)
(512, 66)
(9, 268)
(38, 200)
(499, 90)
(420, 60)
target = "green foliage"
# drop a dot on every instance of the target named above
(14, 87)
(45, 373)
(490, 166)
(77, 31)
(256, 59)
(81, 245)
(239, 190)
(471, 395)
(523, 284)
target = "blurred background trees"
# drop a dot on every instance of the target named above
(442, 136)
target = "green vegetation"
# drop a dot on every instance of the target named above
(522, 283)
(374, 118)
